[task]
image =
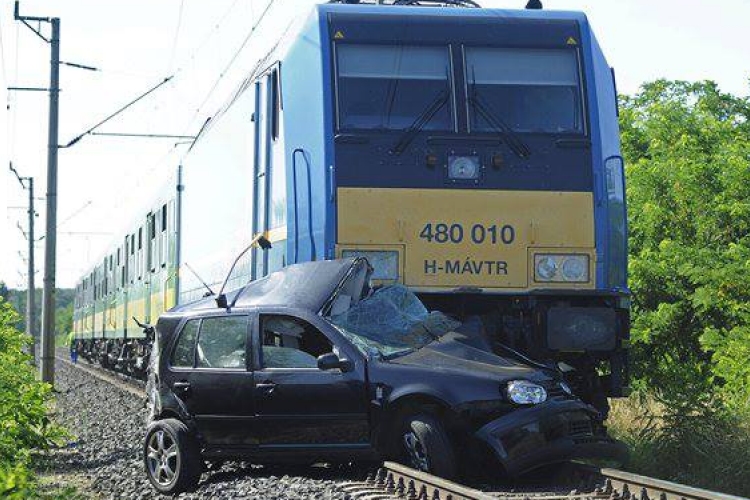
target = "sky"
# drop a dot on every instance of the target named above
(208, 47)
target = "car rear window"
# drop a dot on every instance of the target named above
(183, 354)
(221, 343)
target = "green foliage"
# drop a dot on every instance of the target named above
(63, 300)
(708, 449)
(687, 147)
(24, 424)
(64, 322)
(16, 482)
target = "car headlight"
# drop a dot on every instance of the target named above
(463, 168)
(384, 262)
(523, 392)
(561, 268)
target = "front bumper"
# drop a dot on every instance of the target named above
(552, 432)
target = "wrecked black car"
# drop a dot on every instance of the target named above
(310, 364)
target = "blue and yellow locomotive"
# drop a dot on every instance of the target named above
(471, 154)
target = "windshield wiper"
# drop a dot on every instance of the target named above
(398, 354)
(419, 122)
(508, 135)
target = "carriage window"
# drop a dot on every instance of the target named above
(527, 90)
(393, 87)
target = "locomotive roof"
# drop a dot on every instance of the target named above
(401, 10)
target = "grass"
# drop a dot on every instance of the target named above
(706, 448)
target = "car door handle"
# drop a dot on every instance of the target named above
(266, 388)
(181, 387)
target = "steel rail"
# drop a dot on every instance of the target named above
(634, 486)
(395, 481)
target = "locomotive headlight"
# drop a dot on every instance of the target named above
(561, 268)
(575, 268)
(523, 392)
(546, 267)
(463, 168)
(384, 262)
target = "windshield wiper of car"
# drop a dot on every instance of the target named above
(508, 135)
(419, 122)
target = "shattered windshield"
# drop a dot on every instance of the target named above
(392, 321)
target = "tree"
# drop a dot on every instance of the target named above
(687, 147)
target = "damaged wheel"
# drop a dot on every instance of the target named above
(426, 446)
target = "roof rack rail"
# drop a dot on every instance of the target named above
(444, 3)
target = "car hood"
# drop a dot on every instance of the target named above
(452, 353)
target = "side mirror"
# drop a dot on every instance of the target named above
(330, 361)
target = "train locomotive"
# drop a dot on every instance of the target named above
(470, 154)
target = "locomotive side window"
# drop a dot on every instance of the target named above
(529, 90)
(392, 86)
(275, 104)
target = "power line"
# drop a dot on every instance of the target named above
(231, 61)
(176, 34)
(112, 115)
(208, 37)
(81, 209)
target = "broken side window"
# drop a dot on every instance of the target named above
(289, 342)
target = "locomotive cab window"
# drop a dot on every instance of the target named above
(526, 90)
(393, 86)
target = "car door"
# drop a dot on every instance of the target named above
(299, 406)
(209, 374)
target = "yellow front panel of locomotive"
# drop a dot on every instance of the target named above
(455, 238)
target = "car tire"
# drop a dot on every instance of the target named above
(427, 447)
(172, 457)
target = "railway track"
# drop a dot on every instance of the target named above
(128, 384)
(395, 481)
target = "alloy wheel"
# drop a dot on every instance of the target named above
(416, 452)
(163, 457)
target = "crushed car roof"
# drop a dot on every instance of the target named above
(307, 286)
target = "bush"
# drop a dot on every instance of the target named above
(687, 149)
(16, 482)
(24, 424)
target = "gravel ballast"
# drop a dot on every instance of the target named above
(104, 458)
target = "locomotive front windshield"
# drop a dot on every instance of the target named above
(392, 86)
(395, 87)
(530, 90)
